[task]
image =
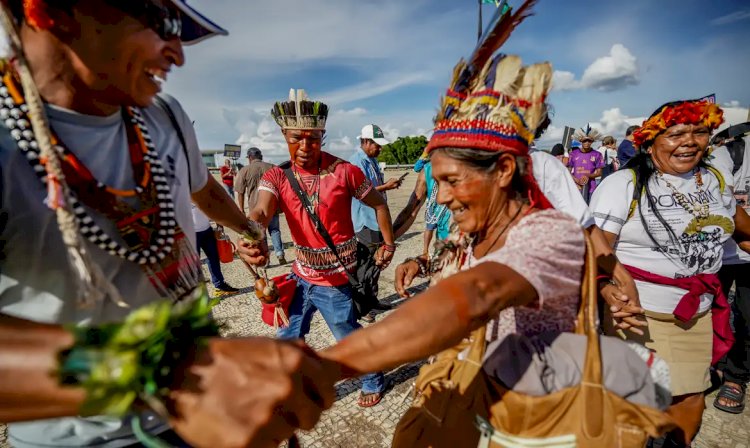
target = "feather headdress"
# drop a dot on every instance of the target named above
(587, 133)
(299, 112)
(495, 103)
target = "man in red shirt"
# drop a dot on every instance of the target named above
(330, 184)
(227, 177)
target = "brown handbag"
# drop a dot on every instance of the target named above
(458, 405)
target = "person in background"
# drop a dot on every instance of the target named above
(246, 185)
(328, 186)
(559, 152)
(733, 156)
(206, 241)
(369, 238)
(227, 172)
(626, 150)
(585, 163)
(608, 150)
(437, 217)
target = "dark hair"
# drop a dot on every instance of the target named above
(485, 162)
(643, 167)
(630, 130)
(558, 149)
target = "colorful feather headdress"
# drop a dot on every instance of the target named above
(495, 103)
(299, 112)
(587, 133)
(679, 112)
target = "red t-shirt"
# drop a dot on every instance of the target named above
(331, 194)
(229, 180)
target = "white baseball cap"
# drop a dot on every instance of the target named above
(374, 133)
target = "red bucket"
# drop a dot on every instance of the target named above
(226, 250)
(271, 313)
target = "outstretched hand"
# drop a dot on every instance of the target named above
(250, 392)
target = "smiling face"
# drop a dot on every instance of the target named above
(679, 149)
(475, 197)
(304, 147)
(118, 59)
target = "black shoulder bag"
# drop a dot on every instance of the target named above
(363, 301)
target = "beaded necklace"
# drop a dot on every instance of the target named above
(151, 235)
(699, 209)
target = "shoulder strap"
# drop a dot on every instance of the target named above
(170, 113)
(287, 168)
(634, 200)
(717, 173)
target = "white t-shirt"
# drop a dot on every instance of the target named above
(740, 184)
(609, 155)
(558, 186)
(35, 274)
(200, 220)
(688, 256)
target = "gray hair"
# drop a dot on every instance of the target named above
(485, 162)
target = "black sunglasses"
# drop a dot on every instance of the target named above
(160, 16)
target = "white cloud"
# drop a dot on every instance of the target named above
(736, 16)
(356, 112)
(562, 80)
(733, 103)
(615, 71)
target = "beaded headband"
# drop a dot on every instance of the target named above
(685, 112)
(300, 113)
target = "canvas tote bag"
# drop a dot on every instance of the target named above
(458, 405)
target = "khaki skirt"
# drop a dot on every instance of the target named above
(687, 347)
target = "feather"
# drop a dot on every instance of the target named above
(499, 34)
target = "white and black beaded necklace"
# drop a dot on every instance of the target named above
(161, 238)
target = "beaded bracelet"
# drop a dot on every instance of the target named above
(389, 247)
(122, 364)
(424, 269)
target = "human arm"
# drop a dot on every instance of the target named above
(390, 184)
(384, 255)
(256, 253)
(214, 201)
(524, 271)
(28, 356)
(406, 218)
(742, 229)
(230, 392)
(610, 204)
(434, 320)
(226, 172)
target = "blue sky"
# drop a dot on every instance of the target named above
(388, 61)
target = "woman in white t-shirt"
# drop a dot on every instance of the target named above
(668, 218)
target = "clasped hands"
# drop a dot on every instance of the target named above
(250, 392)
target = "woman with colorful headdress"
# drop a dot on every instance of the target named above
(668, 215)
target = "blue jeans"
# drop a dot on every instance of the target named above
(336, 306)
(275, 231)
(229, 189)
(207, 241)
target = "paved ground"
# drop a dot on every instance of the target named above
(346, 425)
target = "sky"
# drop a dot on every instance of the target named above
(388, 62)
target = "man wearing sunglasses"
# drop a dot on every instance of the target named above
(99, 66)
